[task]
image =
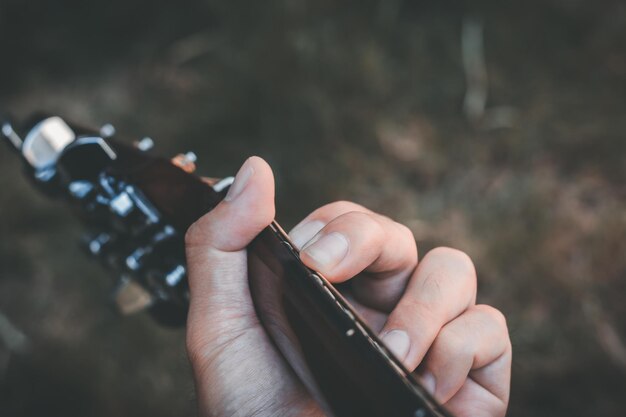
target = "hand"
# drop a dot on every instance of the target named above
(426, 312)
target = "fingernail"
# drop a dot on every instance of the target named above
(429, 382)
(398, 343)
(302, 233)
(328, 250)
(240, 182)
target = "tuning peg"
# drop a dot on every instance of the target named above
(186, 161)
(122, 204)
(46, 141)
(107, 130)
(145, 144)
(9, 133)
(223, 184)
(80, 189)
(137, 259)
(192, 157)
(175, 275)
(96, 244)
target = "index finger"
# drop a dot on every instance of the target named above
(343, 243)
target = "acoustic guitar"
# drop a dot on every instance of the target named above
(137, 207)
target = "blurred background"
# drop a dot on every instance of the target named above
(494, 128)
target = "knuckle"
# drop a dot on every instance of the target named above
(360, 217)
(460, 260)
(345, 205)
(431, 285)
(427, 297)
(494, 316)
(454, 343)
(459, 257)
(407, 235)
(495, 321)
(405, 232)
(337, 208)
(193, 234)
(358, 220)
(200, 232)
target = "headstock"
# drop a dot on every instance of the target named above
(136, 206)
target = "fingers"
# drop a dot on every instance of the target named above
(216, 256)
(314, 222)
(442, 287)
(342, 239)
(476, 340)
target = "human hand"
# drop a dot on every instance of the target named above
(426, 312)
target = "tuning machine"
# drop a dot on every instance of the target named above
(107, 131)
(98, 244)
(144, 144)
(186, 161)
(9, 133)
(158, 243)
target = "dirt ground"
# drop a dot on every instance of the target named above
(497, 129)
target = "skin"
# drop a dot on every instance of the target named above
(425, 310)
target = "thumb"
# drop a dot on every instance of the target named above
(216, 254)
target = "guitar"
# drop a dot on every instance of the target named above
(137, 207)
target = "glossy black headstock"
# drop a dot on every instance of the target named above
(136, 206)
